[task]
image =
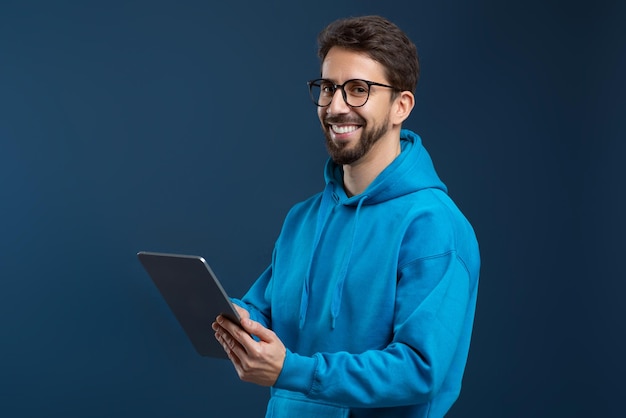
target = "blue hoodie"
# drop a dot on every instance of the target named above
(373, 295)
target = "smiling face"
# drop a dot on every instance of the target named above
(352, 132)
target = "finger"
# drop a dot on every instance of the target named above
(255, 328)
(228, 325)
(242, 312)
(234, 332)
(232, 356)
(230, 345)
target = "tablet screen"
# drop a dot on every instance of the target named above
(194, 295)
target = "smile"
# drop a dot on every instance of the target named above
(344, 129)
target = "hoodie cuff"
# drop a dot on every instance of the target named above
(254, 314)
(297, 374)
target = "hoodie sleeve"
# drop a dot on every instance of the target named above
(255, 301)
(413, 367)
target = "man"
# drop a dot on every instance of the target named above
(366, 309)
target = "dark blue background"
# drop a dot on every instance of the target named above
(186, 127)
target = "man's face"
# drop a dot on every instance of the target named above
(352, 132)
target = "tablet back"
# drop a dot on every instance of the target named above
(194, 295)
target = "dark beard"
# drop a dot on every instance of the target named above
(369, 137)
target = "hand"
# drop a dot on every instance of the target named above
(257, 362)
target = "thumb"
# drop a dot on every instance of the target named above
(258, 330)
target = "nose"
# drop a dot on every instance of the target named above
(337, 105)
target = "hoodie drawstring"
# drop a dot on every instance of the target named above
(322, 217)
(336, 303)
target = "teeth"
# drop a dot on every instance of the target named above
(344, 129)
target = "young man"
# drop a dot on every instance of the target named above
(367, 307)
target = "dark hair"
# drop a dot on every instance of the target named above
(381, 40)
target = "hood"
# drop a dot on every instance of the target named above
(411, 171)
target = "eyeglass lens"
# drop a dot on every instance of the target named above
(354, 92)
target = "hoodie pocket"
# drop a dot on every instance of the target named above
(286, 407)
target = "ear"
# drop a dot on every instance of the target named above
(402, 107)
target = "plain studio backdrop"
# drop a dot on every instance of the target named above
(187, 127)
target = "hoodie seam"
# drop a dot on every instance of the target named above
(434, 256)
(314, 378)
(449, 211)
(427, 257)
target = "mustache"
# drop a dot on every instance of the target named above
(339, 119)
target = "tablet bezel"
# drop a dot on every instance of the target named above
(194, 295)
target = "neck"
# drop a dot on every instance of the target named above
(360, 174)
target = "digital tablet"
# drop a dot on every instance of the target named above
(193, 294)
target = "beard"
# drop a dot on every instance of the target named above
(339, 152)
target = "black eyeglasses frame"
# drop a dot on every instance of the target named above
(317, 83)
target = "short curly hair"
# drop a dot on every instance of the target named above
(381, 40)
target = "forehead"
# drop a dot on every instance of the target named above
(342, 64)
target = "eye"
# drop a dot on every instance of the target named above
(327, 88)
(357, 88)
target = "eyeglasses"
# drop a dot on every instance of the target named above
(355, 92)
